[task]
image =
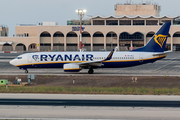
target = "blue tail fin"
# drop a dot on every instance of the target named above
(158, 41)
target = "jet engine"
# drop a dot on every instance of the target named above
(71, 68)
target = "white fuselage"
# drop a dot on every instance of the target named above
(57, 59)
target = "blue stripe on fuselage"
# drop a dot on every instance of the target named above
(105, 64)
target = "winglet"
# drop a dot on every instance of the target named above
(111, 54)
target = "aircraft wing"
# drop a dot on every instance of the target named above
(164, 53)
(99, 62)
(91, 63)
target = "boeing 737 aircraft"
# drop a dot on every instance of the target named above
(76, 61)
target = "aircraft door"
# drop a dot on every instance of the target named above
(29, 59)
(141, 58)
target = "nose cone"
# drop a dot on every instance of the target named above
(12, 62)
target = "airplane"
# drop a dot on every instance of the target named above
(76, 61)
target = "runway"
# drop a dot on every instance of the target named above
(96, 103)
(90, 100)
(70, 106)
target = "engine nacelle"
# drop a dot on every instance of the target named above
(71, 68)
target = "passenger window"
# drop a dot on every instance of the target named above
(19, 57)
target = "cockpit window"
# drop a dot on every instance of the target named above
(19, 58)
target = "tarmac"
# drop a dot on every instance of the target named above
(72, 111)
(170, 66)
(88, 113)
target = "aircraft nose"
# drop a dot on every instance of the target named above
(12, 62)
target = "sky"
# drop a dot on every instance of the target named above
(15, 12)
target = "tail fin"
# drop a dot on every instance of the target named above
(158, 41)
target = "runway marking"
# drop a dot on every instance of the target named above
(4, 60)
(164, 65)
(177, 66)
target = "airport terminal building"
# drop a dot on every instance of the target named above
(131, 27)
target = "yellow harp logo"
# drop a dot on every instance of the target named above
(160, 39)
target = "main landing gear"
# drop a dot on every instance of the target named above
(91, 71)
(26, 71)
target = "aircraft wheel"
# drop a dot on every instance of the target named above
(26, 71)
(91, 71)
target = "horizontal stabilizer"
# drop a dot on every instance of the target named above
(164, 53)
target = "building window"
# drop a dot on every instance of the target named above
(163, 21)
(58, 34)
(45, 44)
(98, 34)
(150, 34)
(176, 21)
(77, 22)
(176, 35)
(135, 36)
(98, 45)
(71, 44)
(86, 35)
(71, 34)
(124, 22)
(111, 22)
(45, 34)
(124, 36)
(111, 35)
(151, 22)
(33, 46)
(138, 36)
(98, 22)
(138, 22)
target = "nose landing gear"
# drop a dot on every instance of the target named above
(91, 71)
(26, 71)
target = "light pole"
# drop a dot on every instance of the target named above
(81, 13)
(59, 46)
(111, 40)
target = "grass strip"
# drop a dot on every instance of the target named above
(92, 90)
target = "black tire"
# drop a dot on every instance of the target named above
(26, 71)
(91, 71)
